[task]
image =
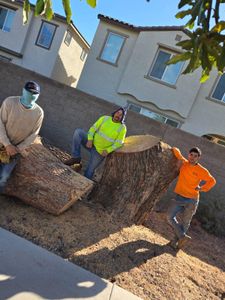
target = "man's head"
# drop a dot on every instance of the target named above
(31, 92)
(194, 155)
(119, 115)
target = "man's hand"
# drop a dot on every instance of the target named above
(24, 152)
(89, 144)
(198, 188)
(104, 153)
(11, 150)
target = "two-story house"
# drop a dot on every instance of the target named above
(52, 48)
(127, 64)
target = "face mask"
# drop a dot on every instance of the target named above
(28, 99)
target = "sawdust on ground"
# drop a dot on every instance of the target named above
(137, 258)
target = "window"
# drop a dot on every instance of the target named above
(219, 92)
(215, 139)
(4, 58)
(112, 48)
(6, 18)
(83, 55)
(152, 115)
(68, 38)
(45, 35)
(163, 72)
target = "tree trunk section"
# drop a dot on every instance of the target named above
(135, 177)
(40, 179)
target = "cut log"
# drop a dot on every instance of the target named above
(40, 179)
(135, 177)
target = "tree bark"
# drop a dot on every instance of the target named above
(135, 177)
(40, 179)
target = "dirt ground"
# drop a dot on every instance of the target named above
(137, 258)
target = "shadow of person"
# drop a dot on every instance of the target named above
(200, 245)
(123, 258)
(54, 287)
(28, 269)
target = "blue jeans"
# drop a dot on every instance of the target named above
(187, 207)
(80, 139)
(5, 172)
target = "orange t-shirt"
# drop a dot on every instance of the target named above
(190, 177)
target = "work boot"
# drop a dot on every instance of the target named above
(72, 161)
(183, 241)
(77, 167)
(173, 243)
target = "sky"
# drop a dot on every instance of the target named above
(135, 12)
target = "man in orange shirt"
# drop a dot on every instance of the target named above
(193, 178)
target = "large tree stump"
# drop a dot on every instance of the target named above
(135, 177)
(43, 181)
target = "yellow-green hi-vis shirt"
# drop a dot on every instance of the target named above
(107, 135)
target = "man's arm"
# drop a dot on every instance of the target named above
(119, 141)
(210, 181)
(34, 133)
(92, 130)
(178, 154)
(4, 111)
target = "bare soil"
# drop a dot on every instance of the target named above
(137, 258)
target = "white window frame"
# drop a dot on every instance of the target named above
(104, 47)
(172, 53)
(214, 89)
(138, 107)
(83, 54)
(8, 10)
(68, 38)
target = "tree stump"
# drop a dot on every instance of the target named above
(40, 179)
(135, 177)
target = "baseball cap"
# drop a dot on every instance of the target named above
(32, 87)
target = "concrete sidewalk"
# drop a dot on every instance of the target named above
(29, 272)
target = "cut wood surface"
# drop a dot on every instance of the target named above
(135, 177)
(43, 181)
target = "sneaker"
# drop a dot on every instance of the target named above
(183, 241)
(72, 161)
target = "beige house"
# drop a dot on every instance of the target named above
(126, 64)
(51, 48)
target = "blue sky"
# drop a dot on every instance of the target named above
(136, 12)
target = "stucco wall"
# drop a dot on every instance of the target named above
(67, 108)
(14, 40)
(68, 65)
(187, 102)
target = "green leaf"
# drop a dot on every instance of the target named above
(183, 13)
(205, 76)
(206, 64)
(67, 9)
(190, 24)
(183, 3)
(221, 60)
(219, 27)
(92, 3)
(39, 7)
(48, 9)
(26, 11)
(186, 44)
(179, 57)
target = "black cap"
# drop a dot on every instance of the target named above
(32, 87)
